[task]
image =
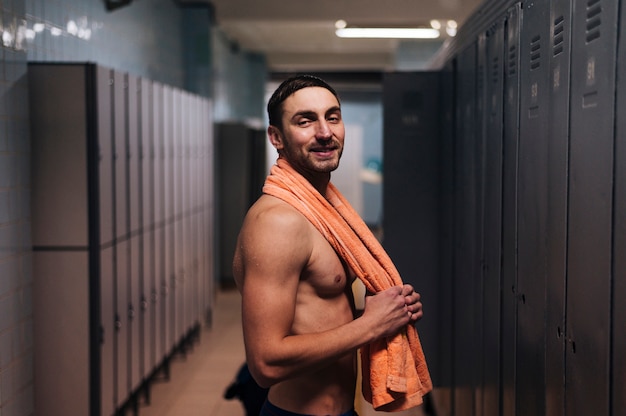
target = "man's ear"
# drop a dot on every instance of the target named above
(275, 136)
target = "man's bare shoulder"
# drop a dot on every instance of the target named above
(272, 227)
(276, 213)
(274, 232)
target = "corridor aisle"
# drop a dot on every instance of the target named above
(198, 380)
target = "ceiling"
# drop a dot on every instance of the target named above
(299, 35)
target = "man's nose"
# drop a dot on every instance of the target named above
(324, 131)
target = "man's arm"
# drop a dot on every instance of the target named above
(275, 246)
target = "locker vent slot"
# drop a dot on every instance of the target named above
(594, 20)
(535, 52)
(559, 24)
(512, 60)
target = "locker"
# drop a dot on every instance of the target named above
(195, 206)
(121, 249)
(509, 207)
(146, 223)
(159, 201)
(236, 150)
(446, 263)
(61, 248)
(207, 190)
(100, 228)
(532, 209)
(618, 405)
(106, 166)
(492, 222)
(177, 219)
(134, 190)
(589, 274)
(476, 161)
(411, 191)
(465, 309)
(107, 363)
(169, 242)
(556, 254)
(62, 281)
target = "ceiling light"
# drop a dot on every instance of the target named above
(388, 32)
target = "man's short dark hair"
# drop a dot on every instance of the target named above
(288, 87)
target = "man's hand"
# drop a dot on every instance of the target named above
(413, 303)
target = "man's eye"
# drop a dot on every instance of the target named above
(304, 122)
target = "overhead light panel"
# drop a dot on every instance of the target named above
(342, 30)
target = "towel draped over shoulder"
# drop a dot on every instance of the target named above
(395, 374)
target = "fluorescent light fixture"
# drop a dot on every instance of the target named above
(388, 32)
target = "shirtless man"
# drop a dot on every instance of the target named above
(300, 329)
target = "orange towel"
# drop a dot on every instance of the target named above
(395, 374)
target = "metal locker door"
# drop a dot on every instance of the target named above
(177, 193)
(210, 208)
(121, 247)
(446, 260)
(179, 149)
(133, 192)
(492, 223)
(411, 190)
(556, 254)
(104, 96)
(148, 286)
(465, 311)
(206, 195)
(190, 252)
(532, 209)
(160, 295)
(169, 226)
(477, 178)
(619, 234)
(509, 207)
(589, 274)
(194, 149)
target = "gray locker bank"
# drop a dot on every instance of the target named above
(122, 232)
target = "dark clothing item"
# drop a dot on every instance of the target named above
(269, 409)
(247, 391)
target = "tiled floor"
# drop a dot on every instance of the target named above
(198, 381)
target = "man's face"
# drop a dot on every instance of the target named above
(313, 133)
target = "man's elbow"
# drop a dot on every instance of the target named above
(265, 375)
